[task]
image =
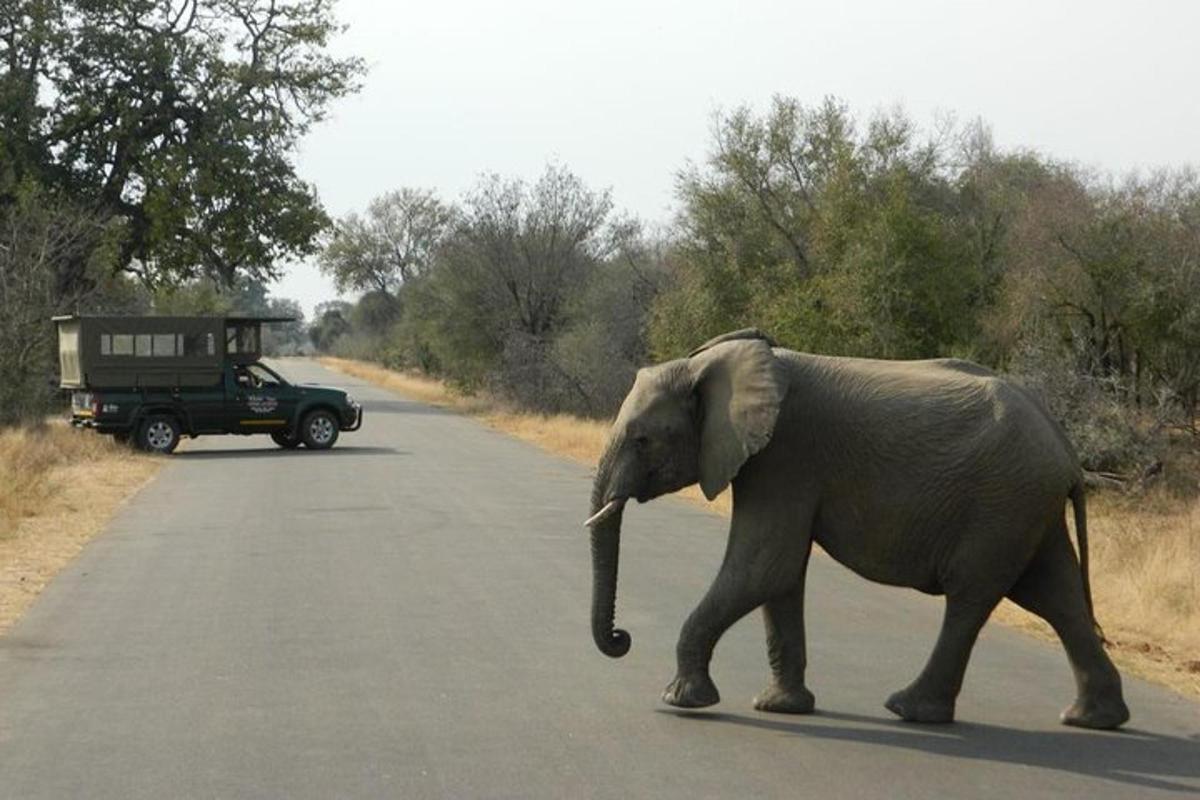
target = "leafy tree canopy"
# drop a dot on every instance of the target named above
(176, 119)
(392, 243)
(836, 236)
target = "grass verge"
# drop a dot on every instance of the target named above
(1145, 550)
(58, 488)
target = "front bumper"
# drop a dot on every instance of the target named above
(355, 418)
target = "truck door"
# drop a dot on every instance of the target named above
(258, 400)
(205, 405)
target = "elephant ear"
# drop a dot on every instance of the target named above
(739, 387)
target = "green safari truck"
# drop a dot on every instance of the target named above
(152, 380)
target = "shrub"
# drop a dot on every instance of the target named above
(1110, 434)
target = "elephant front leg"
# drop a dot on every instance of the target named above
(763, 557)
(729, 599)
(786, 649)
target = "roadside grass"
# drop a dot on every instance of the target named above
(1144, 548)
(58, 488)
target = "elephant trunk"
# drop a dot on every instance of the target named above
(605, 523)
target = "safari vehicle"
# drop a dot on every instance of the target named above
(151, 380)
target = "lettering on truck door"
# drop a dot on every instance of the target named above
(261, 400)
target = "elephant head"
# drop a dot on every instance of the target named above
(685, 421)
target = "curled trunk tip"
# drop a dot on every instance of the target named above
(615, 644)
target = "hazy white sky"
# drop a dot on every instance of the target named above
(623, 93)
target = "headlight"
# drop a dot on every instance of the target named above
(350, 401)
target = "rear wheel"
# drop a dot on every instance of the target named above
(158, 434)
(320, 430)
(286, 439)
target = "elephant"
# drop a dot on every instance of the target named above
(938, 475)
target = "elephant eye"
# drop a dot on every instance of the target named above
(641, 441)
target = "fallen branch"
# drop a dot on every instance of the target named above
(1104, 480)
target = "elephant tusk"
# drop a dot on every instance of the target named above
(610, 508)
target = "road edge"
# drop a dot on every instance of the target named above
(82, 501)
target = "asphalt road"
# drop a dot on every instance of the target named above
(406, 616)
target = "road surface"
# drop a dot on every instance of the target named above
(406, 616)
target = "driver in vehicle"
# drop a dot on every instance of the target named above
(245, 378)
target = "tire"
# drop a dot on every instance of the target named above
(319, 430)
(158, 434)
(286, 439)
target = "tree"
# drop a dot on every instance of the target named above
(374, 314)
(837, 239)
(36, 236)
(198, 297)
(392, 243)
(605, 341)
(330, 323)
(524, 248)
(1108, 272)
(779, 164)
(500, 289)
(178, 120)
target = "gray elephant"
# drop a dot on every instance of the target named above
(938, 475)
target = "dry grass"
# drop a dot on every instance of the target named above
(58, 488)
(1145, 551)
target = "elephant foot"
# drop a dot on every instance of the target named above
(1103, 714)
(910, 706)
(785, 701)
(696, 691)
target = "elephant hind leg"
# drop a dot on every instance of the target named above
(1052, 588)
(931, 697)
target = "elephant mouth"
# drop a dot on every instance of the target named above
(610, 508)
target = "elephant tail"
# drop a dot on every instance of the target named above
(1080, 505)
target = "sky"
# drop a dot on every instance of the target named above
(624, 93)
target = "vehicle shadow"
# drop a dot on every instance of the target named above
(1129, 756)
(299, 452)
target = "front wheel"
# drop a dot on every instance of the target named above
(158, 434)
(286, 439)
(319, 430)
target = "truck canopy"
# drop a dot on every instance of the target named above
(98, 352)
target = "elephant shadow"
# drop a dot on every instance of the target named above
(1130, 756)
